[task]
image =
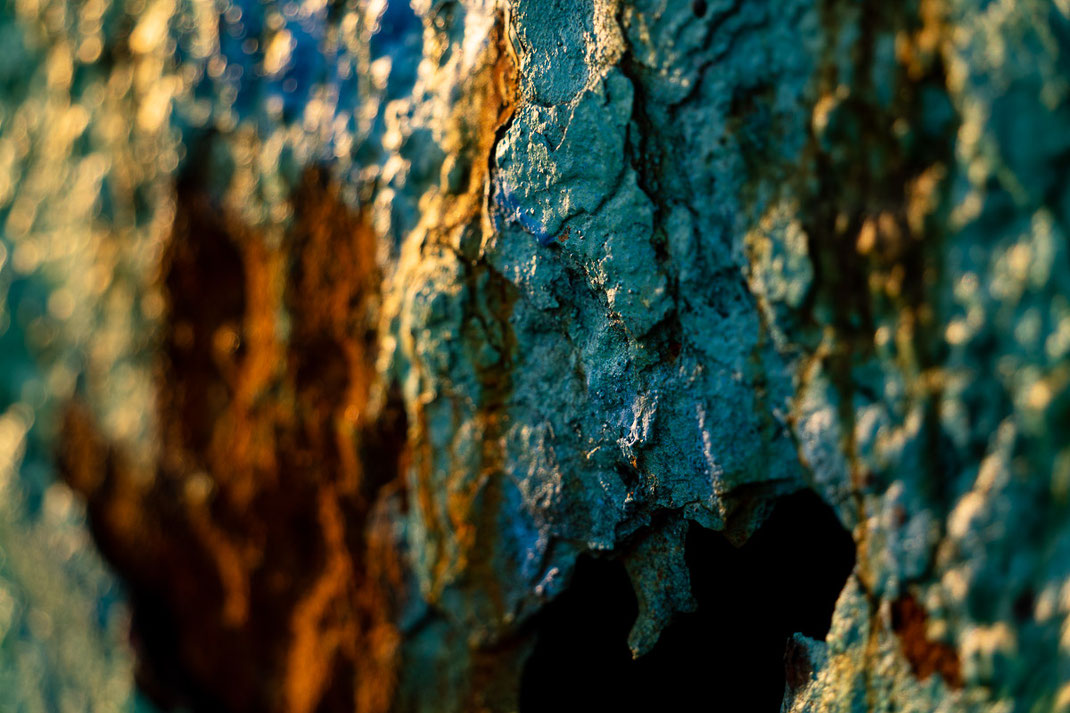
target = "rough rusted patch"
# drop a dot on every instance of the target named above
(499, 101)
(469, 515)
(488, 326)
(480, 119)
(262, 578)
(926, 656)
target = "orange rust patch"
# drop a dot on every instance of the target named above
(926, 656)
(475, 126)
(500, 101)
(492, 329)
(263, 568)
(468, 517)
(257, 580)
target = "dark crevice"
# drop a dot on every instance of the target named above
(729, 655)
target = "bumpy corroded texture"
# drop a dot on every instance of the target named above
(444, 296)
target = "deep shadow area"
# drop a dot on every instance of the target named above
(727, 656)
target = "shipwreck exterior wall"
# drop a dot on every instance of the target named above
(379, 337)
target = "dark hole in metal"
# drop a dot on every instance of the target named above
(727, 656)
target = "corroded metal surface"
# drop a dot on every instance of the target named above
(367, 329)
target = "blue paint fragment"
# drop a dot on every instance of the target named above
(510, 207)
